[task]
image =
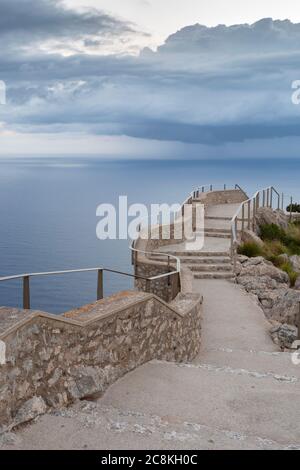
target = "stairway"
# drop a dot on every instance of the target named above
(213, 260)
(239, 393)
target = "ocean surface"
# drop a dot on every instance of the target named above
(48, 215)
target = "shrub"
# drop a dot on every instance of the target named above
(277, 241)
(250, 249)
(274, 248)
(292, 239)
(272, 232)
(293, 275)
(293, 208)
(276, 260)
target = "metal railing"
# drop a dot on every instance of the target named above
(192, 196)
(100, 271)
(245, 215)
(214, 187)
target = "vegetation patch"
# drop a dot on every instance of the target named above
(293, 208)
(278, 245)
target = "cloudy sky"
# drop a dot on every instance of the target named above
(150, 77)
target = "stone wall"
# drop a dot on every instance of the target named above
(167, 288)
(49, 361)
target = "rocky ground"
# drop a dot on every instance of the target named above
(280, 303)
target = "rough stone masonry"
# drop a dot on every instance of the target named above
(49, 361)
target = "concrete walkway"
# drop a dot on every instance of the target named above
(239, 393)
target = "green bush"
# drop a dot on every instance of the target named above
(293, 207)
(272, 232)
(274, 248)
(292, 239)
(250, 249)
(293, 275)
(277, 241)
(276, 260)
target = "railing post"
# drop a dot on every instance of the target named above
(291, 209)
(211, 187)
(243, 218)
(224, 187)
(148, 286)
(264, 198)
(249, 215)
(282, 201)
(254, 212)
(100, 285)
(271, 198)
(26, 293)
(298, 323)
(235, 262)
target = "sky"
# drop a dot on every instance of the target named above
(163, 17)
(149, 78)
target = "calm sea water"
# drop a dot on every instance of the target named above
(48, 215)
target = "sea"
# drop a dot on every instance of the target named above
(48, 214)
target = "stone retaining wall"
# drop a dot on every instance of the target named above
(49, 361)
(167, 288)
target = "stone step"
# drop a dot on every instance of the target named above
(196, 253)
(211, 217)
(214, 234)
(196, 259)
(203, 260)
(235, 400)
(214, 275)
(210, 268)
(215, 230)
(278, 364)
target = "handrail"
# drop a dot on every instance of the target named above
(237, 186)
(253, 205)
(267, 202)
(26, 280)
(193, 195)
(215, 187)
(26, 277)
(160, 254)
(67, 271)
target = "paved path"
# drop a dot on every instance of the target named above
(240, 393)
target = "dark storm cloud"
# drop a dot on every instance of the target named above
(204, 85)
(23, 22)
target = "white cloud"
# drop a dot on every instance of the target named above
(205, 86)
